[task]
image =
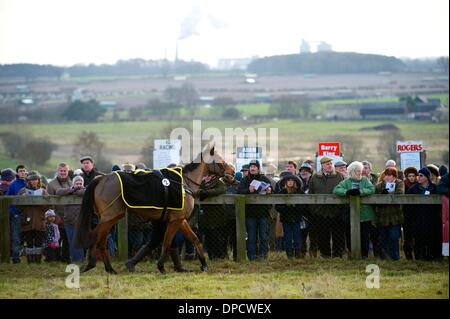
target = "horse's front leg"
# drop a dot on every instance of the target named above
(172, 228)
(192, 237)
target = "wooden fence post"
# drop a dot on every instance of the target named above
(355, 226)
(122, 230)
(241, 231)
(4, 230)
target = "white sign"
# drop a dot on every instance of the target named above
(245, 154)
(410, 160)
(166, 152)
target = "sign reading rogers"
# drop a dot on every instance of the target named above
(329, 148)
(410, 146)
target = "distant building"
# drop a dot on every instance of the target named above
(305, 47)
(324, 47)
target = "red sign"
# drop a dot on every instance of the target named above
(329, 149)
(410, 146)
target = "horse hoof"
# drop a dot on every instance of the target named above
(86, 268)
(111, 271)
(130, 267)
(161, 269)
(204, 268)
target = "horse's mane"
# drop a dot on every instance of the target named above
(190, 167)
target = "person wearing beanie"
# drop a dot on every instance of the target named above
(15, 215)
(305, 172)
(245, 170)
(291, 167)
(425, 221)
(7, 176)
(33, 225)
(410, 177)
(291, 215)
(434, 170)
(71, 213)
(257, 216)
(51, 246)
(62, 180)
(389, 218)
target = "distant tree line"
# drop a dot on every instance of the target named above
(122, 67)
(326, 63)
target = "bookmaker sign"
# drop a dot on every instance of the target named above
(330, 149)
(410, 153)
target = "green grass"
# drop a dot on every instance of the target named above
(278, 278)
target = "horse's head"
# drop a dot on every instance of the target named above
(216, 165)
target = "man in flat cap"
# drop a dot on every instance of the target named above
(341, 167)
(327, 220)
(88, 169)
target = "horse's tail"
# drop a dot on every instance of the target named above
(83, 236)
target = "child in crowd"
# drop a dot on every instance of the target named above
(52, 237)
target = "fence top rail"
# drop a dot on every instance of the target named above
(307, 199)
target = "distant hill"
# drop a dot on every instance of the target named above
(326, 63)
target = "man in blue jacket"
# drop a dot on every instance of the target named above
(14, 214)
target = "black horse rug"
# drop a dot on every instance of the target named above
(147, 189)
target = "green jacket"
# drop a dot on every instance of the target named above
(366, 188)
(321, 184)
(388, 215)
(212, 216)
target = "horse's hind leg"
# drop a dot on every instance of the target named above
(191, 236)
(101, 245)
(172, 228)
(92, 257)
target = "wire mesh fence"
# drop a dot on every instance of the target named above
(276, 227)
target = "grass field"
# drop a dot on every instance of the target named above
(297, 140)
(295, 279)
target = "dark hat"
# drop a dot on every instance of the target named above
(285, 176)
(306, 166)
(410, 170)
(443, 170)
(115, 168)
(8, 174)
(425, 171)
(340, 163)
(433, 169)
(245, 167)
(83, 158)
(238, 176)
(255, 162)
(33, 175)
(141, 166)
(325, 159)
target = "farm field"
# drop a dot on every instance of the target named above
(297, 140)
(297, 279)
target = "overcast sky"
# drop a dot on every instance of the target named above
(66, 32)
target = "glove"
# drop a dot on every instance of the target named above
(353, 192)
(53, 245)
(384, 191)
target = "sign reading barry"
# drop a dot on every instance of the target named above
(410, 153)
(330, 149)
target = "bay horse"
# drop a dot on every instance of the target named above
(103, 198)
